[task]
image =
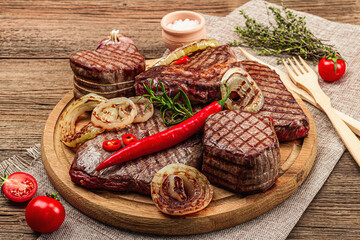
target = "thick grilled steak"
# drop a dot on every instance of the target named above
(134, 175)
(241, 151)
(290, 121)
(110, 63)
(199, 78)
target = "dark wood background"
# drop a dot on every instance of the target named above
(36, 39)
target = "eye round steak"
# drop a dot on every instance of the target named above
(241, 151)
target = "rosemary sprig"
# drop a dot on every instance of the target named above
(178, 111)
(289, 35)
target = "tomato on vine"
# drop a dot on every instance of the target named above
(332, 67)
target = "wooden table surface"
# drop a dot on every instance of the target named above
(36, 39)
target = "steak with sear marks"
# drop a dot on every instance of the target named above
(290, 121)
(111, 63)
(241, 151)
(199, 77)
(135, 175)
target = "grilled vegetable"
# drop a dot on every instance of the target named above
(186, 50)
(114, 114)
(181, 60)
(165, 139)
(178, 189)
(244, 93)
(67, 123)
(144, 109)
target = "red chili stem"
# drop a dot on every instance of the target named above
(164, 139)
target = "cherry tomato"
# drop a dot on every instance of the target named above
(128, 139)
(112, 145)
(331, 68)
(181, 60)
(45, 214)
(19, 186)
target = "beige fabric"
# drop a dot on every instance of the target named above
(277, 223)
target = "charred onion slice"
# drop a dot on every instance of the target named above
(244, 92)
(178, 189)
(186, 50)
(144, 109)
(67, 123)
(114, 114)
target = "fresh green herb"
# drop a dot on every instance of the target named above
(289, 35)
(177, 111)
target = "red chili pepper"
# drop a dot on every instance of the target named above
(112, 145)
(128, 139)
(181, 60)
(165, 139)
(272, 121)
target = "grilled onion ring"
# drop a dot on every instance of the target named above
(142, 104)
(178, 189)
(244, 92)
(114, 114)
(67, 123)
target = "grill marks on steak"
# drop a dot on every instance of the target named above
(109, 64)
(241, 151)
(290, 121)
(135, 175)
(199, 78)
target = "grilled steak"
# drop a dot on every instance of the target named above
(290, 122)
(241, 151)
(199, 78)
(111, 63)
(135, 175)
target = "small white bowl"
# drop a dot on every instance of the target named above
(177, 38)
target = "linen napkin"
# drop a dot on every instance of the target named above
(277, 223)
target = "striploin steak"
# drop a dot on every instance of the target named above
(135, 175)
(290, 121)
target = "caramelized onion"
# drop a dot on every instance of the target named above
(114, 114)
(244, 92)
(178, 189)
(144, 108)
(67, 123)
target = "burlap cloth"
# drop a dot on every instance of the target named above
(277, 223)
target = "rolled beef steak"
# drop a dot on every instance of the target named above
(199, 78)
(241, 151)
(112, 66)
(135, 175)
(290, 121)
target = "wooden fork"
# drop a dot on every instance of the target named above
(306, 78)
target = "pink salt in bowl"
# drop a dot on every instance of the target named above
(176, 38)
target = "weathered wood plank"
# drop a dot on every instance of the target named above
(54, 29)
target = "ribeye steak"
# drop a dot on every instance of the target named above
(199, 78)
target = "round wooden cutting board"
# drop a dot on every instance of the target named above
(138, 213)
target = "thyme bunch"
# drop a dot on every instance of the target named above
(178, 112)
(289, 35)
